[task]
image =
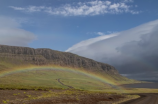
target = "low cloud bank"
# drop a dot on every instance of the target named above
(133, 52)
(11, 34)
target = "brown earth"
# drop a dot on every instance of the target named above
(149, 98)
(57, 97)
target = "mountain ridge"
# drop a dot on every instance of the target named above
(44, 56)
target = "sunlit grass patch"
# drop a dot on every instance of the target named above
(47, 79)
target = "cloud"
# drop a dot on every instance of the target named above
(91, 8)
(17, 8)
(11, 34)
(29, 8)
(89, 42)
(100, 33)
(132, 51)
(128, 1)
(8, 22)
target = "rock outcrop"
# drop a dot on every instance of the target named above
(49, 57)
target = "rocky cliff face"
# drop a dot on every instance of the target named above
(48, 57)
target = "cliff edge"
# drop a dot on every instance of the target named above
(51, 57)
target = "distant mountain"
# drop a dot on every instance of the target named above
(13, 56)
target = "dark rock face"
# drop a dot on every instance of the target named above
(49, 57)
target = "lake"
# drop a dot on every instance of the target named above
(142, 85)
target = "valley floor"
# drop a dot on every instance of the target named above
(146, 98)
(58, 96)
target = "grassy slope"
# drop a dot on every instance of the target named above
(43, 79)
(48, 79)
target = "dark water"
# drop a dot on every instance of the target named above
(142, 85)
(156, 81)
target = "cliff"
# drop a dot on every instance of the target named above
(51, 57)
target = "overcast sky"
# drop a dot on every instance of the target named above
(123, 33)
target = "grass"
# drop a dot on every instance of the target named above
(46, 79)
(77, 95)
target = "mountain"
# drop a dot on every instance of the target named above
(47, 56)
(12, 56)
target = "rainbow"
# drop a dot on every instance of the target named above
(80, 71)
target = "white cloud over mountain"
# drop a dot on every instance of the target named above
(133, 51)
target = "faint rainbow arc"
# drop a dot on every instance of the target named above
(100, 78)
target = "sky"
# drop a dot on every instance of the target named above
(122, 33)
